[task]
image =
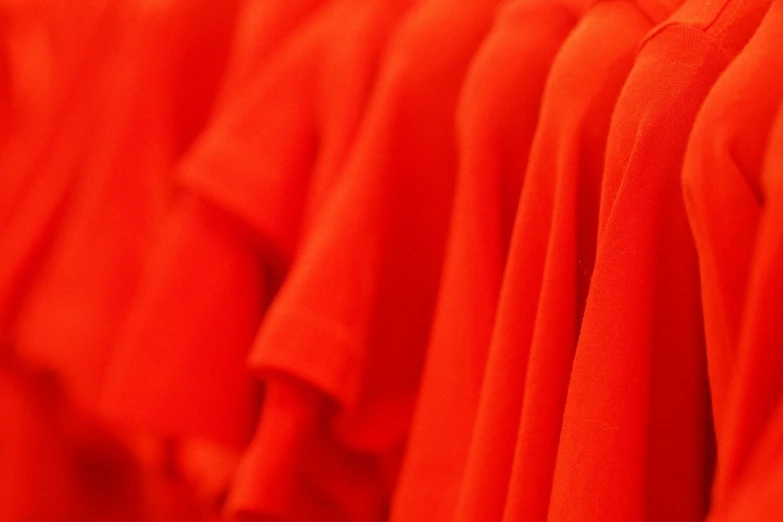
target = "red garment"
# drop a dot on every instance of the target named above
(496, 117)
(198, 395)
(210, 276)
(58, 63)
(721, 181)
(59, 465)
(254, 183)
(754, 393)
(261, 30)
(353, 166)
(756, 495)
(35, 478)
(109, 203)
(550, 259)
(583, 89)
(31, 81)
(203, 260)
(50, 49)
(635, 442)
(102, 206)
(751, 490)
(193, 39)
(84, 177)
(353, 318)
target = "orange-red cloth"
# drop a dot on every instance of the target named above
(36, 482)
(264, 168)
(546, 273)
(50, 53)
(723, 196)
(352, 320)
(556, 235)
(751, 489)
(749, 459)
(93, 218)
(418, 260)
(58, 59)
(551, 256)
(68, 316)
(206, 287)
(92, 133)
(496, 118)
(635, 442)
(58, 464)
(755, 495)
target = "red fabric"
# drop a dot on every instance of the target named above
(352, 320)
(85, 175)
(59, 464)
(756, 493)
(635, 442)
(268, 160)
(750, 490)
(35, 482)
(30, 82)
(69, 315)
(723, 195)
(60, 98)
(192, 41)
(206, 288)
(294, 470)
(261, 29)
(561, 196)
(548, 257)
(496, 118)
(45, 59)
(407, 260)
(202, 257)
(753, 420)
(79, 247)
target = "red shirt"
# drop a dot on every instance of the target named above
(53, 68)
(756, 493)
(88, 212)
(561, 197)
(496, 118)
(754, 430)
(254, 179)
(86, 167)
(515, 440)
(723, 196)
(253, 184)
(751, 439)
(352, 320)
(636, 428)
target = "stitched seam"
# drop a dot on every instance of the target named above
(695, 18)
(731, 17)
(674, 24)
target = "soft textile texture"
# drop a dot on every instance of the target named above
(636, 434)
(723, 195)
(496, 118)
(352, 319)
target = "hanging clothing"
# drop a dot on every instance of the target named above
(583, 89)
(267, 162)
(375, 256)
(638, 392)
(405, 260)
(496, 118)
(547, 249)
(50, 127)
(753, 392)
(723, 196)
